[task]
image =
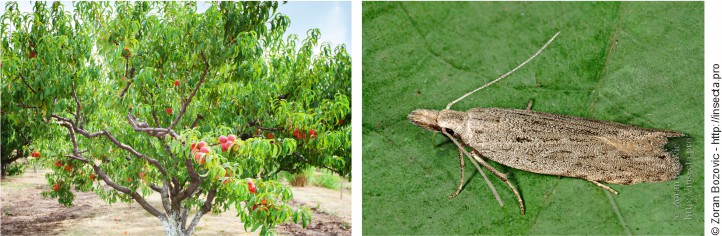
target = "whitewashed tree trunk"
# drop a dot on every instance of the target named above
(173, 226)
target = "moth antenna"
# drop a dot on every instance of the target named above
(507, 73)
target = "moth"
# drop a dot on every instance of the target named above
(551, 144)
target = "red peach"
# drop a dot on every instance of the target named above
(252, 187)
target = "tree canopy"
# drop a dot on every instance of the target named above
(136, 96)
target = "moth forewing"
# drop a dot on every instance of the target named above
(571, 146)
(543, 143)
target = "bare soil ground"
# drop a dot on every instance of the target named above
(25, 212)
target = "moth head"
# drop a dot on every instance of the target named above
(426, 119)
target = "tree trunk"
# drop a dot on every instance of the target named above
(172, 226)
(4, 170)
(175, 224)
(4, 163)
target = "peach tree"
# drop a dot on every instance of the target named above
(203, 108)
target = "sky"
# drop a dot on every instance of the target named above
(332, 18)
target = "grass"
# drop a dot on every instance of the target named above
(312, 176)
(611, 62)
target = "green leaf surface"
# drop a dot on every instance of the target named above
(637, 63)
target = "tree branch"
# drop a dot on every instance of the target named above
(205, 209)
(78, 114)
(165, 198)
(195, 181)
(155, 119)
(143, 127)
(195, 122)
(137, 197)
(18, 155)
(26, 106)
(270, 129)
(128, 75)
(127, 85)
(309, 162)
(190, 97)
(26, 82)
(112, 139)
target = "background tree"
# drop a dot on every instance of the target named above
(203, 108)
(15, 140)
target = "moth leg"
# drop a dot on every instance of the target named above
(604, 187)
(489, 167)
(461, 181)
(528, 107)
(488, 182)
(477, 157)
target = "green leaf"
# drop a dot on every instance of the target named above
(611, 62)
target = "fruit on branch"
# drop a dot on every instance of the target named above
(252, 187)
(56, 187)
(127, 179)
(68, 168)
(169, 111)
(176, 83)
(225, 146)
(296, 133)
(32, 55)
(340, 122)
(205, 150)
(222, 139)
(193, 146)
(200, 158)
(201, 144)
(231, 138)
(126, 53)
(58, 164)
(92, 176)
(312, 133)
(226, 181)
(263, 206)
(141, 174)
(270, 135)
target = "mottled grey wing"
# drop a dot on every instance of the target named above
(571, 146)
